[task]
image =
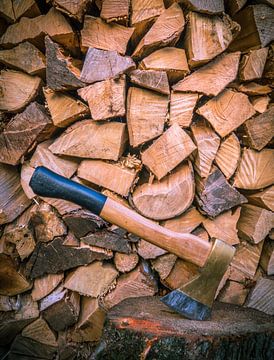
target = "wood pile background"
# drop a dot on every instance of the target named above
(166, 106)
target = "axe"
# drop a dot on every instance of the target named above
(194, 299)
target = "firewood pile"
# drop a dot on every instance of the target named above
(164, 106)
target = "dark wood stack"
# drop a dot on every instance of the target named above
(163, 105)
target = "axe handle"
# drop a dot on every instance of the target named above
(45, 182)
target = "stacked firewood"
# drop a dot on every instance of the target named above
(164, 106)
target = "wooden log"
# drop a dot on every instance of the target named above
(90, 139)
(269, 66)
(25, 176)
(252, 64)
(224, 68)
(13, 11)
(256, 24)
(169, 59)
(22, 348)
(125, 262)
(62, 206)
(13, 198)
(53, 297)
(161, 200)
(163, 265)
(149, 251)
(228, 155)
(41, 332)
(181, 108)
(168, 151)
(74, 9)
(43, 286)
(207, 142)
(181, 273)
(234, 293)
(186, 222)
(233, 6)
(142, 123)
(264, 199)
(151, 79)
(201, 233)
(25, 57)
(253, 89)
(206, 37)
(267, 258)
(251, 172)
(208, 7)
(102, 65)
(260, 103)
(106, 99)
(71, 240)
(262, 296)
(117, 11)
(227, 111)
(215, 195)
(17, 90)
(97, 34)
(164, 32)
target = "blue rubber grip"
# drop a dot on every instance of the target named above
(47, 183)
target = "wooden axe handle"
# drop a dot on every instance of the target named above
(45, 182)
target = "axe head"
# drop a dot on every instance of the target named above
(194, 299)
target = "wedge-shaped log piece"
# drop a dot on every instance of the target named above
(227, 111)
(149, 251)
(63, 108)
(254, 89)
(142, 105)
(223, 69)
(13, 10)
(256, 23)
(44, 285)
(151, 79)
(169, 59)
(106, 99)
(165, 31)
(207, 37)
(103, 64)
(75, 9)
(17, 90)
(263, 199)
(256, 169)
(215, 195)
(267, 258)
(164, 264)
(97, 34)
(224, 226)
(89, 139)
(207, 142)
(234, 293)
(186, 222)
(228, 155)
(26, 174)
(25, 57)
(41, 332)
(260, 103)
(252, 64)
(13, 199)
(181, 108)
(125, 262)
(168, 151)
(255, 223)
(269, 66)
(115, 10)
(262, 296)
(233, 6)
(167, 198)
(208, 7)
(181, 273)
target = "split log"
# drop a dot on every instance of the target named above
(43, 286)
(164, 264)
(224, 69)
(269, 66)
(8, 303)
(62, 206)
(228, 155)
(92, 280)
(97, 34)
(252, 64)
(17, 90)
(181, 273)
(25, 57)
(106, 99)
(103, 65)
(149, 251)
(206, 37)
(142, 123)
(262, 296)
(267, 258)
(201, 233)
(74, 9)
(71, 240)
(117, 11)
(168, 151)
(181, 108)
(14, 10)
(53, 297)
(227, 111)
(233, 6)
(164, 32)
(207, 142)
(215, 195)
(208, 7)
(233, 293)
(13, 198)
(151, 79)
(255, 223)
(253, 89)
(63, 108)
(251, 172)
(264, 199)
(186, 222)
(26, 174)
(90, 139)
(161, 200)
(125, 262)
(40, 331)
(260, 103)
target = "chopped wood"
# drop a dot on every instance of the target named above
(207, 142)
(169, 59)
(181, 108)
(115, 197)
(74, 9)
(186, 222)
(163, 265)
(13, 198)
(41, 332)
(201, 233)
(224, 69)
(228, 155)
(253, 88)
(91, 139)
(227, 111)
(215, 195)
(181, 273)
(169, 150)
(269, 66)
(251, 173)
(224, 226)
(115, 10)
(233, 6)
(17, 89)
(262, 296)
(25, 57)
(260, 103)
(44, 285)
(161, 200)
(97, 34)
(14, 10)
(142, 123)
(149, 251)
(206, 37)
(125, 262)
(106, 99)
(164, 32)
(24, 348)
(264, 199)
(53, 297)
(151, 79)
(267, 258)
(138, 282)
(62, 206)
(26, 174)
(233, 293)
(252, 64)
(208, 7)
(103, 65)
(71, 240)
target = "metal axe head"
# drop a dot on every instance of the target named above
(194, 299)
